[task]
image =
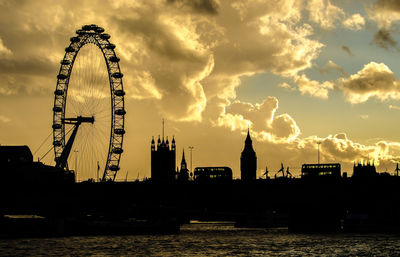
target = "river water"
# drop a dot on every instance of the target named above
(209, 239)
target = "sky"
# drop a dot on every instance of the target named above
(297, 73)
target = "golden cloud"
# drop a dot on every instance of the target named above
(265, 124)
(313, 87)
(354, 22)
(375, 80)
(324, 13)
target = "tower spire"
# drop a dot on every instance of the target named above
(183, 162)
(248, 160)
(248, 140)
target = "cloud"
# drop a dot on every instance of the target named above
(313, 87)
(201, 57)
(388, 4)
(332, 66)
(261, 37)
(177, 54)
(201, 6)
(347, 50)
(394, 107)
(165, 57)
(354, 22)
(286, 86)
(4, 51)
(339, 147)
(375, 80)
(384, 39)
(264, 123)
(324, 13)
(386, 13)
(21, 84)
(364, 116)
(4, 119)
(278, 136)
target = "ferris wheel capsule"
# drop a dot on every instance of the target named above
(70, 49)
(57, 109)
(99, 30)
(57, 126)
(110, 46)
(65, 62)
(114, 59)
(117, 75)
(120, 112)
(59, 92)
(80, 32)
(114, 168)
(74, 39)
(119, 131)
(105, 36)
(119, 92)
(118, 150)
(86, 27)
(61, 76)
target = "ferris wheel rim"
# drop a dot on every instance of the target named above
(92, 34)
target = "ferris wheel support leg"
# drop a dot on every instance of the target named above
(62, 161)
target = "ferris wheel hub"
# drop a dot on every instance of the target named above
(79, 119)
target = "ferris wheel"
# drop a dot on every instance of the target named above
(89, 95)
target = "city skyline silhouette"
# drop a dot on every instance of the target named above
(210, 87)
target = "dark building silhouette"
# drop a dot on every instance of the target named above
(248, 160)
(364, 170)
(163, 159)
(17, 166)
(15, 155)
(183, 173)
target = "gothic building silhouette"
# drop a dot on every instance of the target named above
(248, 160)
(183, 174)
(163, 159)
(364, 170)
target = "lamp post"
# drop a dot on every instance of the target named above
(76, 164)
(191, 148)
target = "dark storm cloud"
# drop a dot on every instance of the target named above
(375, 80)
(386, 13)
(201, 6)
(158, 38)
(383, 38)
(21, 84)
(32, 66)
(347, 50)
(393, 5)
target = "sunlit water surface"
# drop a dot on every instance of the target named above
(209, 239)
